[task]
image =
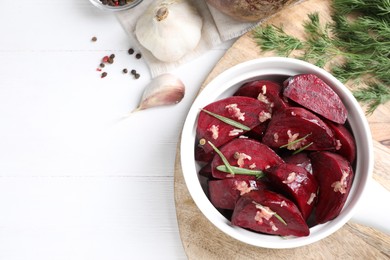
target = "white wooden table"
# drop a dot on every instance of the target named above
(75, 181)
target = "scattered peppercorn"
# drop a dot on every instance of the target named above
(94, 39)
(103, 75)
(138, 56)
(110, 60)
(133, 72)
(125, 70)
(131, 51)
(105, 59)
(112, 56)
(136, 76)
(102, 65)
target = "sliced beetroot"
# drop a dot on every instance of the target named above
(257, 211)
(224, 193)
(345, 143)
(269, 92)
(300, 159)
(313, 93)
(335, 175)
(295, 123)
(245, 153)
(244, 110)
(297, 183)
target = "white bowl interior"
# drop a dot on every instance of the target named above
(274, 68)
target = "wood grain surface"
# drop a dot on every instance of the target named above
(202, 240)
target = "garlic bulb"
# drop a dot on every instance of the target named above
(169, 29)
(163, 90)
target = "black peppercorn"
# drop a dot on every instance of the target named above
(131, 51)
(138, 56)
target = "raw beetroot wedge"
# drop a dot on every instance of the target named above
(269, 92)
(224, 193)
(335, 175)
(313, 93)
(244, 110)
(297, 183)
(268, 212)
(345, 143)
(295, 128)
(247, 154)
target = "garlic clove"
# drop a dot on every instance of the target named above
(163, 90)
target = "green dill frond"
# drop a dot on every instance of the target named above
(362, 35)
(362, 41)
(271, 38)
(319, 47)
(376, 8)
(374, 95)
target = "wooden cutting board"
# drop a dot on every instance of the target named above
(201, 240)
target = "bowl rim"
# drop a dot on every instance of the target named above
(225, 83)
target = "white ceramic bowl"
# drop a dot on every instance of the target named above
(225, 85)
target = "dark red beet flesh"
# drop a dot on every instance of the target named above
(298, 122)
(345, 143)
(335, 175)
(224, 193)
(300, 159)
(313, 93)
(297, 183)
(269, 92)
(253, 210)
(254, 155)
(214, 130)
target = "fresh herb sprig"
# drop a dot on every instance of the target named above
(259, 206)
(223, 158)
(355, 46)
(243, 171)
(227, 120)
(296, 141)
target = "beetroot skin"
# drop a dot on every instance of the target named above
(313, 93)
(256, 211)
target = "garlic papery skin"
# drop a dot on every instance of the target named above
(165, 89)
(169, 29)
